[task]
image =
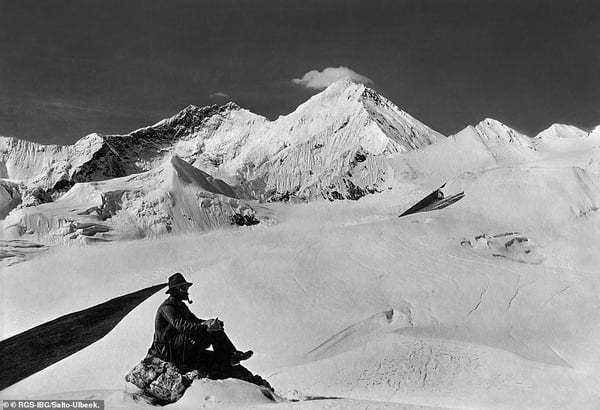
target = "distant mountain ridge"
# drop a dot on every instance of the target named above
(346, 142)
(314, 151)
(335, 145)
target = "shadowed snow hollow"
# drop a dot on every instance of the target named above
(174, 197)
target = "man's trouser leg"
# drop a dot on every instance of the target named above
(222, 345)
(222, 349)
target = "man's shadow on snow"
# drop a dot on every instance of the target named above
(39, 347)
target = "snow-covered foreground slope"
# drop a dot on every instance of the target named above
(345, 299)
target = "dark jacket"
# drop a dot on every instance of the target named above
(175, 330)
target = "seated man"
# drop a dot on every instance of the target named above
(182, 339)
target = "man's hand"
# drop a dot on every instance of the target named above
(213, 325)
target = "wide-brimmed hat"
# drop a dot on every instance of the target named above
(177, 280)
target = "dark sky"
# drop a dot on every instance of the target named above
(69, 68)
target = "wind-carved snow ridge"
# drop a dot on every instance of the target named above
(174, 197)
(360, 333)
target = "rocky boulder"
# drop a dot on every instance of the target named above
(161, 380)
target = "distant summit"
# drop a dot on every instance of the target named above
(193, 115)
(334, 145)
(561, 131)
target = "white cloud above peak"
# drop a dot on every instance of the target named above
(318, 80)
(219, 95)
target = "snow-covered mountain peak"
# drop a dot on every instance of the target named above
(193, 116)
(345, 91)
(335, 144)
(493, 130)
(489, 142)
(492, 123)
(561, 131)
(345, 103)
(91, 140)
(343, 86)
(188, 113)
(341, 94)
(230, 106)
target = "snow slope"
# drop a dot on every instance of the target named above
(486, 145)
(345, 299)
(490, 303)
(491, 144)
(174, 197)
(562, 143)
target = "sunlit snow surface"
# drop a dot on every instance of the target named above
(172, 198)
(347, 302)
